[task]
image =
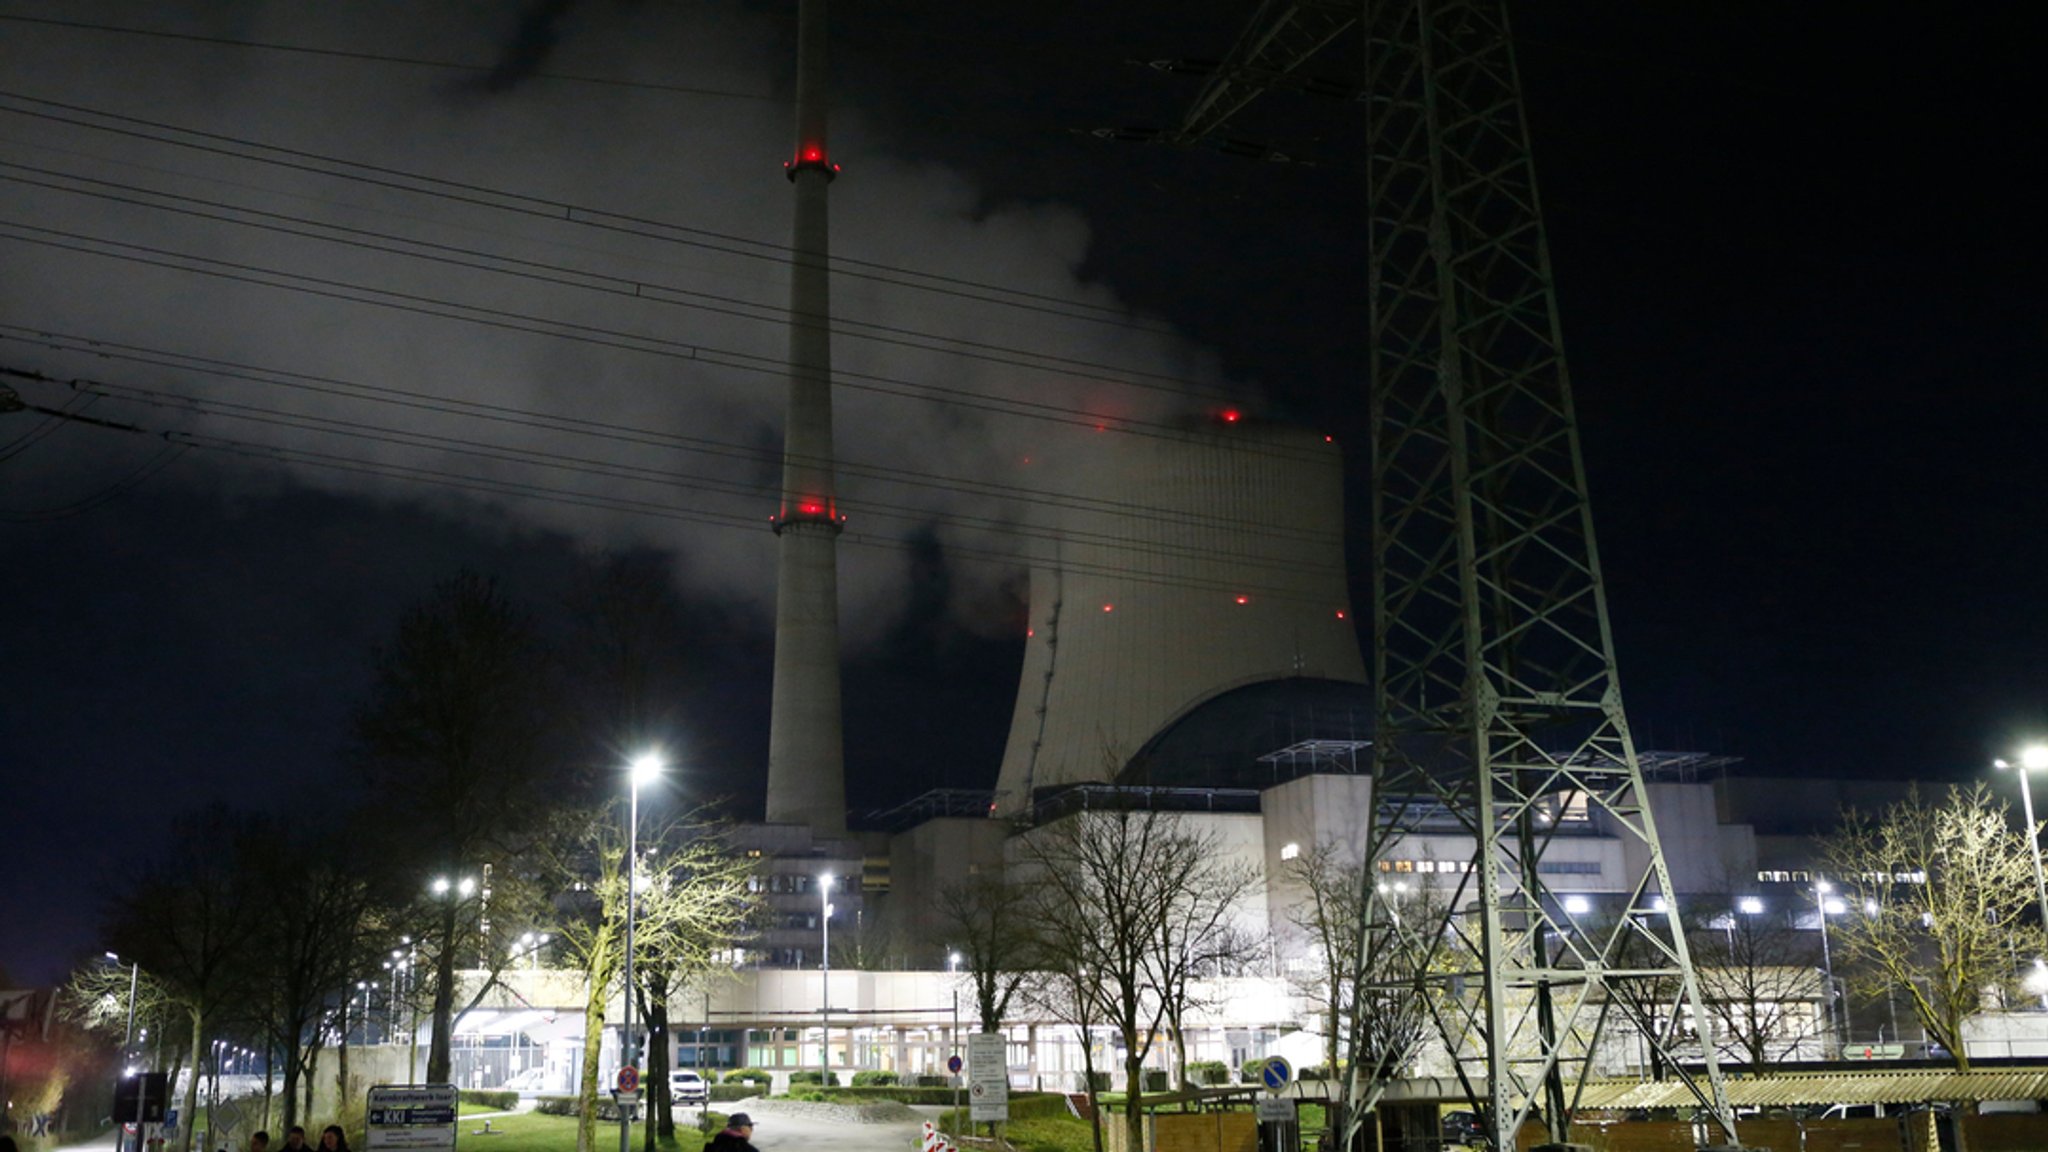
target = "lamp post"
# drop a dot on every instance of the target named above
(644, 769)
(1826, 904)
(2033, 758)
(825, 955)
(127, 1038)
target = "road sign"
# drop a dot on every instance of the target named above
(629, 1079)
(411, 1116)
(1276, 1073)
(988, 1077)
(953, 1064)
(1275, 1110)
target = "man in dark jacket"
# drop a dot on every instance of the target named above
(737, 1137)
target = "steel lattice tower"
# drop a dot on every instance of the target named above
(1499, 702)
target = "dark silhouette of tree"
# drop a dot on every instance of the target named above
(459, 746)
(1118, 889)
(988, 921)
(192, 919)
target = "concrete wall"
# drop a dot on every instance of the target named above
(922, 863)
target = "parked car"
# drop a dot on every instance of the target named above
(687, 1087)
(1462, 1127)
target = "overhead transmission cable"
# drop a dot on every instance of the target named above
(512, 415)
(456, 191)
(556, 494)
(564, 276)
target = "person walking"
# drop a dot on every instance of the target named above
(737, 1137)
(333, 1139)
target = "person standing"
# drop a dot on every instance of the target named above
(737, 1137)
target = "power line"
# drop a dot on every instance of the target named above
(507, 320)
(563, 276)
(383, 58)
(613, 470)
(615, 432)
(397, 179)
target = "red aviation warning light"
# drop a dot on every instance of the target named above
(810, 156)
(1244, 599)
(1231, 415)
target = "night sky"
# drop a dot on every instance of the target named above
(1797, 253)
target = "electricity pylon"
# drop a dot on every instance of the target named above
(1499, 704)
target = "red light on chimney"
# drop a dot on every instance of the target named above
(814, 154)
(1030, 632)
(809, 509)
(1329, 439)
(1340, 613)
(1244, 599)
(1231, 415)
(1109, 607)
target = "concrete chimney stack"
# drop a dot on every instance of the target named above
(806, 756)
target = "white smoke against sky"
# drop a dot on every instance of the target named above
(700, 160)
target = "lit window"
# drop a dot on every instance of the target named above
(1290, 850)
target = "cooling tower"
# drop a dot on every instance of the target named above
(1197, 564)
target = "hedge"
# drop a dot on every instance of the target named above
(874, 1078)
(748, 1076)
(814, 1076)
(1208, 1072)
(566, 1106)
(1023, 1106)
(500, 1101)
(727, 1093)
(902, 1094)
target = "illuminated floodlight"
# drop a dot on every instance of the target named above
(647, 768)
(1577, 905)
(467, 886)
(1833, 907)
(440, 886)
(1750, 906)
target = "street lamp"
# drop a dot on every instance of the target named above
(645, 769)
(825, 956)
(1827, 904)
(127, 1038)
(953, 962)
(2033, 758)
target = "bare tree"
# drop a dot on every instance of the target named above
(191, 920)
(459, 745)
(695, 910)
(1365, 949)
(988, 920)
(1760, 980)
(1944, 888)
(1117, 889)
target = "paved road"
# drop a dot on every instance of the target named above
(804, 1133)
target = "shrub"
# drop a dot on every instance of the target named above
(874, 1079)
(748, 1076)
(727, 1093)
(1251, 1069)
(498, 1101)
(813, 1076)
(1208, 1072)
(933, 1082)
(1099, 1081)
(1315, 1072)
(555, 1105)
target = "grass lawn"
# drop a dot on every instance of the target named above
(533, 1132)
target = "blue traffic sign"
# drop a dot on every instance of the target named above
(1276, 1073)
